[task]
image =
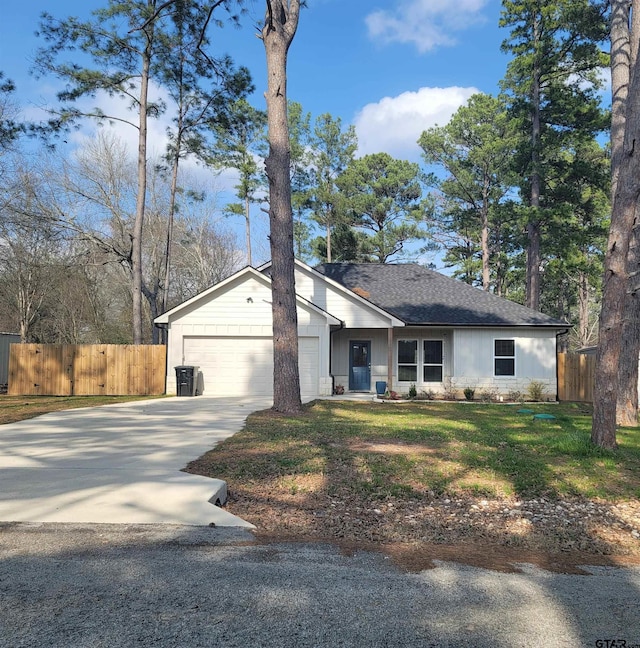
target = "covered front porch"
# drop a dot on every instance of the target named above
(397, 356)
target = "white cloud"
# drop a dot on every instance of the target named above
(424, 23)
(394, 124)
(118, 110)
(157, 138)
(604, 77)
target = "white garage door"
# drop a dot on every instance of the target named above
(241, 366)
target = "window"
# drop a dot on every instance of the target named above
(504, 361)
(432, 364)
(407, 360)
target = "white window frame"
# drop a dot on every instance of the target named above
(408, 364)
(432, 364)
(503, 357)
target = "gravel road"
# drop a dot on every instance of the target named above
(78, 586)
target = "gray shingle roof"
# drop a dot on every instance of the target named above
(421, 296)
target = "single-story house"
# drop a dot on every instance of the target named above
(359, 324)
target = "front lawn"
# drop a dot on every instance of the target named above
(429, 470)
(443, 448)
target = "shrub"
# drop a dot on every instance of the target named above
(535, 391)
(427, 394)
(412, 391)
(515, 396)
(489, 395)
(469, 393)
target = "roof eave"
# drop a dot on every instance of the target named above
(558, 325)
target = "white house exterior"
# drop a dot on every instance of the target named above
(226, 332)
(359, 324)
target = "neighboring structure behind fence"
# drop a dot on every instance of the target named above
(6, 340)
(86, 370)
(576, 373)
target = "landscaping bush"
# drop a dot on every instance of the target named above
(489, 395)
(535, 391)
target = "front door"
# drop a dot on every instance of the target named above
(360, 366)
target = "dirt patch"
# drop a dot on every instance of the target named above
(392, 448)
(558, 535)
(416, 557)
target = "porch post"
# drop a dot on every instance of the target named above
(390, 358)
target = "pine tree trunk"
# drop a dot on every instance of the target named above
(533, 227)
(616, 280)
(533, 266)
(614, 298)
(136, 238)
(154, 301)
(583, 308)
(172, 208)
(622, 58)
(484, 236)
(627, 393)
(278, 32)
(247, 216)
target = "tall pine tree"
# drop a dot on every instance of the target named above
(280, 26)
(551, 84)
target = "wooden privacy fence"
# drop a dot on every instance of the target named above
(86, 370)
(576, 373)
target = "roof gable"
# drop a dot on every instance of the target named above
(244, 274)
(421, 296)
(359, 307)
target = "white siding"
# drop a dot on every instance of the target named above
(467, 358)
(245, 300)
(349, 309)
(535, 359)
(242, 310)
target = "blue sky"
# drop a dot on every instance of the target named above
(390, 67)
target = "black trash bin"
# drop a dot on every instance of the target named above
(186, 380)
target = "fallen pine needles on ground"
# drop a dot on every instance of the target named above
(434, 472)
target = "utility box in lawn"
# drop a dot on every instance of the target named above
(186, 380)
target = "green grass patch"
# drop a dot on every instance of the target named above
(408, 450)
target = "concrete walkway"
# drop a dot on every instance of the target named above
(119, 463)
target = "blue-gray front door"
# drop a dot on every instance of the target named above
(360, 366)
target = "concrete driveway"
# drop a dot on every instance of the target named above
(119, 463)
